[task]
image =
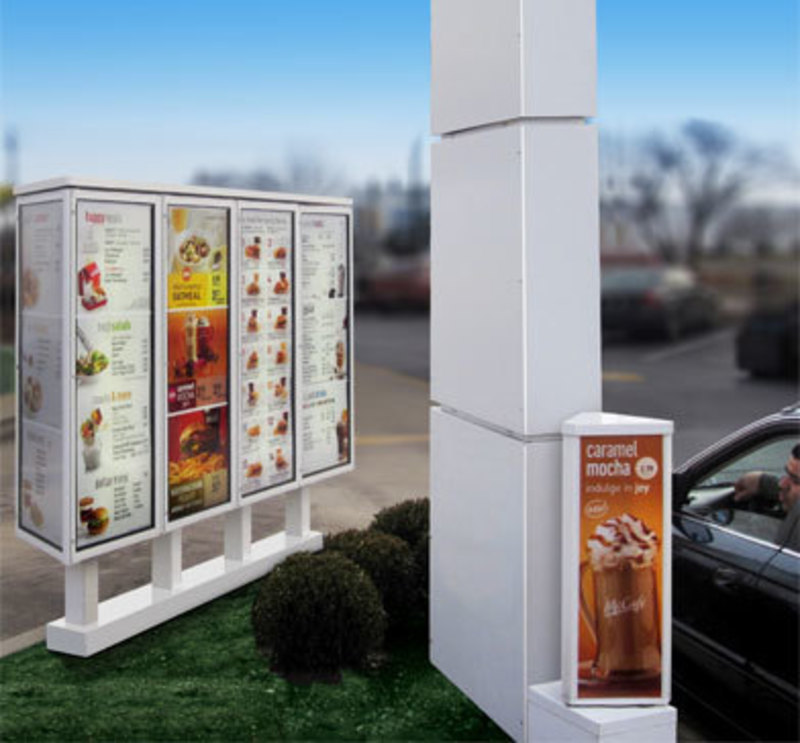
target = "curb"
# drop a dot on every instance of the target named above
(22, 641)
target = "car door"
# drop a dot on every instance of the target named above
(775, 653)
(715, 598)
(722, 555)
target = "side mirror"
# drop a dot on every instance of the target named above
(722, 516)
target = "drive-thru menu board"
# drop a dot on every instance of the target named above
(267, 325)
(155, 388)
(113, 370)
(197, 359)
(41, 465)
(325, 367)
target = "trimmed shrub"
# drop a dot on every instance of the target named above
(421, 554)
(388, 561)
(316, 613)
(409, 520)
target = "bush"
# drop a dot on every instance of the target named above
(318, 613)
(388, 561)
(422, 573)
(409, 520)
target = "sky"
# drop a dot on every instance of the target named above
(156, 90)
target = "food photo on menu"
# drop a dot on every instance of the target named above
(91, 440)
(94, 519)
(89, 361)
(198, 461)
(90, 288)
(281, 320)
(198, 257)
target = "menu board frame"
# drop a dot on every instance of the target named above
(171, 200)
(145, 533)
(271, 491)
(349, 465)
(59, 551)
(67, 193)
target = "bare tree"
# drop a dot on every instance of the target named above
(706, 170)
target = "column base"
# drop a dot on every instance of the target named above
(550, 719)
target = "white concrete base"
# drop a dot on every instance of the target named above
(550, 719)
(130, 613)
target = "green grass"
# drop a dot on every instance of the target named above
(200, 677)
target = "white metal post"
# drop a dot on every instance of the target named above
(298, 513)
(167, 561)
(515, 333)
(238, 534)
(81, 592)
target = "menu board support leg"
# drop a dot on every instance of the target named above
(81, 592)
(167, 561)
(238, 535)
(298, 512)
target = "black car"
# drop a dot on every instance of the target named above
(736, 575)
(767, 342)
(655, 300)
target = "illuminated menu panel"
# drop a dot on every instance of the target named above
(325, 367)
(197, 359)
(41, 465)
(267, 350)
(114, 371)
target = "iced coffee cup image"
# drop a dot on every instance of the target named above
(623, 621)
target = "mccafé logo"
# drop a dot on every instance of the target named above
(627, 605)
(595, 509)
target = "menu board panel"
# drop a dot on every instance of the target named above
(40, 349)
(42, 477)
(114, 371)
(197, 247)
(325, 367)
(197, 359)
(41, 369)
(267, 349)
(41, 267)
(114, 257)
(198, 461)
(198, 351)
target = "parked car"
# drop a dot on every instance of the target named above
(767, 342)
(655, 300)
(398, 283)
(736, 575)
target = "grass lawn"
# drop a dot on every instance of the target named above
(200, 677)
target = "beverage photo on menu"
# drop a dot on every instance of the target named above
(197, 372)
(620, 577)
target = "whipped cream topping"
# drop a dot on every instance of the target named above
(622, 540)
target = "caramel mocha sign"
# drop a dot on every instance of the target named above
(620, 567)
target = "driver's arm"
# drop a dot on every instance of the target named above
(755, 483)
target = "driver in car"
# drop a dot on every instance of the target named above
(784, 490)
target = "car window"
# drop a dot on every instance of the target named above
(760, 517)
